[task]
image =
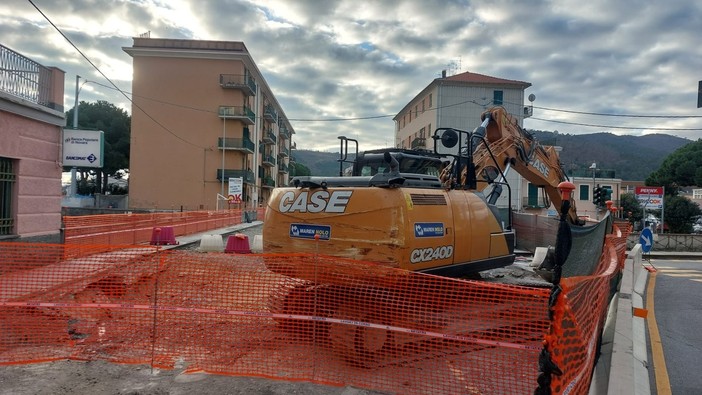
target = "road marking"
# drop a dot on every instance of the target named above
(661, 372)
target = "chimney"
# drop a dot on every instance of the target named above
(443, 73)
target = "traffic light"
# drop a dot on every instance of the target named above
(606, 195)
(597, 196)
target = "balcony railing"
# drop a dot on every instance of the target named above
(241, 113)
(268, 182)
(247, 175)
(269, 137)
(238, 81)
(420, 142)
(270, 113)
(26, 79)
(268, 160)
(236, 144)
(284, 132)
(284, 152)
(587, 173)
(282, 168)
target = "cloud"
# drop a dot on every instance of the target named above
(335, 59)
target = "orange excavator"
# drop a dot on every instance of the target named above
(432, 212)
(416, 210)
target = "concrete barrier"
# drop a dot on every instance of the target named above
(623, 364)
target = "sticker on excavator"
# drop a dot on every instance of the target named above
(428, 229)
(431, 254)
(307, 231)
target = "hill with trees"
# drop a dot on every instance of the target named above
(633, 158)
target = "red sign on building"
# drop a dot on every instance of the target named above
(649, 190)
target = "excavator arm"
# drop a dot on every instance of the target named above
(509, 146)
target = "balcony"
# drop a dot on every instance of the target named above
(284, 152)
(284, 133)
(236, 144)
(282, 168)
(268, 182)
(420, 143)
(237, 81)
(587, 173)
(269, 113)
(241, 113)
(29, 80)
(247, 175)
(268, 160)
(269, 137)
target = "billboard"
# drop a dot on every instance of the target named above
(83, 148)
(236, 189)
(650, 197)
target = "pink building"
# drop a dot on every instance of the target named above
(31, 121)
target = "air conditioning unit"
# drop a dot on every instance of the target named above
(528, 111)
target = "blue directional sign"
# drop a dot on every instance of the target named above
(646, 240)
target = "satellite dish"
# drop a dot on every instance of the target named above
(532, 97)
(449, 138)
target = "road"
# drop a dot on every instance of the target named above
(674, 303)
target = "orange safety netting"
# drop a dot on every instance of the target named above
(579, 317)
(134, 228)
(359, 324)
(347, 323)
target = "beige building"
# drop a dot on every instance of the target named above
(202, 113)
(31, 122)
(457, 102)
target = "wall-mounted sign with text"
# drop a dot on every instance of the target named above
(83, 148)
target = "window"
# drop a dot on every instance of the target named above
(497, 98)
(416, 109)
(584, 192)
(422, 131)
(533, 195)
(430, 104)
(7, 180)
(422, 106)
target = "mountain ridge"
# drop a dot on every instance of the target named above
(632, 158)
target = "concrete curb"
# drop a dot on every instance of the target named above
(628, 359)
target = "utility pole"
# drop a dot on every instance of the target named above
(74, 170)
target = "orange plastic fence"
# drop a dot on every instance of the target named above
(360, 324)
(356, 324)
(579, 316)
(123, 229)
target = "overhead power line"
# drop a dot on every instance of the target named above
(616, 127)
(108, 79)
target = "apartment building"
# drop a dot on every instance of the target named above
(31, 123)
(457, 102)
(203, 114)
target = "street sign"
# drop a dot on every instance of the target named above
(646, 240)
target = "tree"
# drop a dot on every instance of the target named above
(681, 168)
(630, 204)
(680, 214)
(298, 169)
(116, 124)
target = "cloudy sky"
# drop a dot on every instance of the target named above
(593, 65)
